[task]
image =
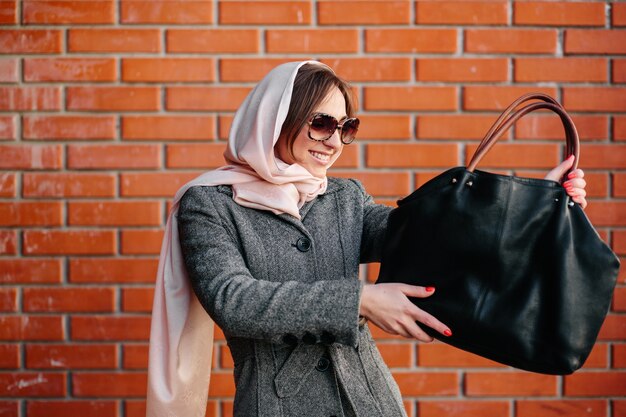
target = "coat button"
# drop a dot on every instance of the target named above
(309, 339)
(290, 339)
(327, 338)
(322, 364)
(303, 244)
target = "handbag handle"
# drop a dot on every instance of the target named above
(506, 120)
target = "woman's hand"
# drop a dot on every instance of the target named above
(575, 184)
(387, 306)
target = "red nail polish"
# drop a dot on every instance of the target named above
(571, 175)
(447, 332)
(430, 289)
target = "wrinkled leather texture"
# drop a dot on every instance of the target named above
(521, 277)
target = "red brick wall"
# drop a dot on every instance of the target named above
(107, 107)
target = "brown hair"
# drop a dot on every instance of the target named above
(311, 86)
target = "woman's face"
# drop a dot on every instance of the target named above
(316, 156)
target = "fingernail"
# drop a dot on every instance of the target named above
(447, 332)
(571, 175)
(430, 289)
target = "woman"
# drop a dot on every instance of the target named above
(271, 247)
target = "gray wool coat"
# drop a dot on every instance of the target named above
(286, 294)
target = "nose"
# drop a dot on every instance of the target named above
(334, 141)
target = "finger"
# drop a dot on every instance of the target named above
(580, 200)
(577, 173)
(577, 192)
(416, 332)
(575, 183)
(557, 173)
(416, 290)
(431, 321)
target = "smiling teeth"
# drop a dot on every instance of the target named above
(321, 156)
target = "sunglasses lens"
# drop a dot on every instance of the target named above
(322, 127)
(349, 130)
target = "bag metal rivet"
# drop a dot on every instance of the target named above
(469, 183)
(571, 204)
(453, 180)
(556, 199)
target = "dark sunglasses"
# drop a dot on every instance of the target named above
(322, 126)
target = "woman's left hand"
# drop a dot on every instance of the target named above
(575, 183)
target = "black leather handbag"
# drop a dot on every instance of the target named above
(522, 276)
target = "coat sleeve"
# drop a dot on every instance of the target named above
(243, 306)
(375, 218)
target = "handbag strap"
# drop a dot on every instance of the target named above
(506, 120)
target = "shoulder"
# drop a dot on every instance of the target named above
(203, 196)
(346, 186)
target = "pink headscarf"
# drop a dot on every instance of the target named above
(181, 336)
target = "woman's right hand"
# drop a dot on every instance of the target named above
(387, 306)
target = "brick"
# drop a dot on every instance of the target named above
(8, 242)
(168, 69)
(9, 357)
(224, 123)
(62, 408)
(153, 184)
(598, 358)
(312, 41)
(442, 41)
(195, 155)
(619, 356)
(113, 270)
(103, 384)
(7, 127)
(7, 184)
(133, 408)
(462, 69)
(33, 384)
(226, 359)
(50, 12)
(439, 355)
(396, 355)
(265, 13)
(618, 14)
(166, 12)
(558, 13)
(31, 328)
(26, 271)
(71, 356)
(587, 384)
(217, 98)
(114, 40)
(463, 408)
(619, 241)
(30, 98)
(20, 213)
(68, 300)
(68, 242)
(457, 127)
(614, 326)
(383, 184)
(350, 157)
(68, 127)
(8, 70)
(480, 384)
(389, 12)
(247, 69)
(619, 299)
(516, 155)
(619, 408)
(70, 69)
(619, 128)
(222, 384)
(30, 156)
(141, 242)
(411, 155)
(137, 300)
(168, 127)
(557, 408)
(8, 16)
(113, 98)
(561, 69)
(8, 299)
(113, 156)
(110, 328)
(371, 69)
(595, 41)
(461, 12)
(515, 41)
(410, 98)
(597, 99)
(603, 156)
(498, 98)
(68, 185)
(30, 41)
(212, 40)
(618, 71)
(427, 383)
(375, 126)
(550, 127)
(114, 213)
(135, 356)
